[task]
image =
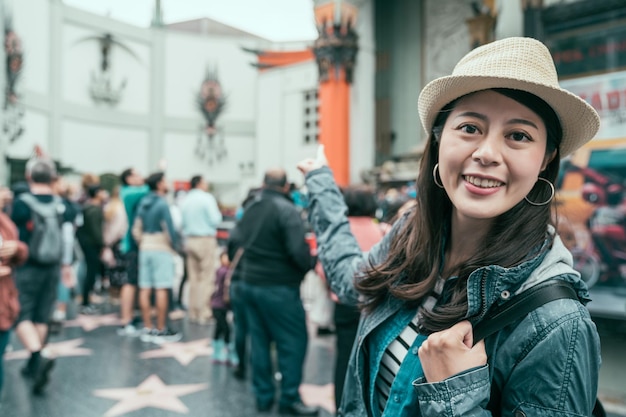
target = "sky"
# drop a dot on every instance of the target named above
(276, 20)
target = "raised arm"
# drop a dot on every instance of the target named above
(338, 249)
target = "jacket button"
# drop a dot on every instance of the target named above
(520, 413)
(415, 350)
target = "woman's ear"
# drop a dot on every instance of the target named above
(547, 159)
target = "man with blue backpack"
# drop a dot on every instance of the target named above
(41, 218)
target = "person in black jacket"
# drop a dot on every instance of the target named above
(90, 238)
(275, 260)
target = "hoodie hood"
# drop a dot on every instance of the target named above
(148, 201)
(493, 284)
(558, 262)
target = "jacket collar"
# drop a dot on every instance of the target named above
(275, 193)
(496, 284)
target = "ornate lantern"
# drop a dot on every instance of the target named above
(211, 102)
(13, 109)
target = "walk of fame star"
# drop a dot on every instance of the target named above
(319, 395)
(152, 392)
(183, 352)
(55, 350)
(89, 323)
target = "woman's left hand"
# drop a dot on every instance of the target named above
(309, 164)
(8, 249)
(449, 352)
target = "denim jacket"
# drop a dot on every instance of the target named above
(545, 365)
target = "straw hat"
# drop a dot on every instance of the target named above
(519, 64)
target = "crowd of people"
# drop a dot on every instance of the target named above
(477, 233)
(57, 244)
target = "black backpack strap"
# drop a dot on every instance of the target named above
(520, 306)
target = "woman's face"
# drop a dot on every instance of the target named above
(491, 152)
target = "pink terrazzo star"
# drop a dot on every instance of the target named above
(152, 392)
(89, 323)
(183, 352)
(55, 350)
(319, 395)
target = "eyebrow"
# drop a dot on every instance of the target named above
(485, 118)
(523, 121)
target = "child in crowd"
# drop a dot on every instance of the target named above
(223, 352)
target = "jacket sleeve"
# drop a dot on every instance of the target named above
(233, 243)
(213, 211)
(293, 229)
(553, 372)
(94, 223)
(21, 255)
(137, 229)
(169, 227)
(338, 250)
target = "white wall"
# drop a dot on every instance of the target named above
(362, 97)
(510, 19)
(82, 59)
(225, 175)
(36, 133)
(35, 43)
(189, 56)
(90, 147)
(157, 115)
(279, 120)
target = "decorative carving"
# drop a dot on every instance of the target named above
(102, 89)
(336, 48)
(13, 109)
(211, 101)
(533, 4)
(481, 26)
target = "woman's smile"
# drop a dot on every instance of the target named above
(492, 151)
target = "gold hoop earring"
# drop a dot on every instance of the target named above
(548, 200)
(435, 169)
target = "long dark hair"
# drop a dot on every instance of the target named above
(413, 263)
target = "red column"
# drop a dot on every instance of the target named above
(335, 124)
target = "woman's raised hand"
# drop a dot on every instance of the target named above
(449, 352)
(309, 164)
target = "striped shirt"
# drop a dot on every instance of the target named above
(397, 350)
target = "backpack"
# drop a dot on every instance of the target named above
(519, 307)
(46, 239)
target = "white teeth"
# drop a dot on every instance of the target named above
(482, 182)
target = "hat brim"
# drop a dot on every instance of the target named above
(579, 121)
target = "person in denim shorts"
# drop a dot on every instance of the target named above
(157, 239)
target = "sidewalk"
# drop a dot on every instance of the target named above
(99, 373)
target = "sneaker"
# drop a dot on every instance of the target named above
(147, 335)
(298, 409)
(88, 310)
(59, 316)
(42, 376)
(26, 372)
(240, 372)
(220, 354)
(232, 358)
(128, 330)
(166, 336)
(177, 314)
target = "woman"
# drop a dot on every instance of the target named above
(480, 234)
(361, 204)
(91, 240)
(115, 228)
(12, 253)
